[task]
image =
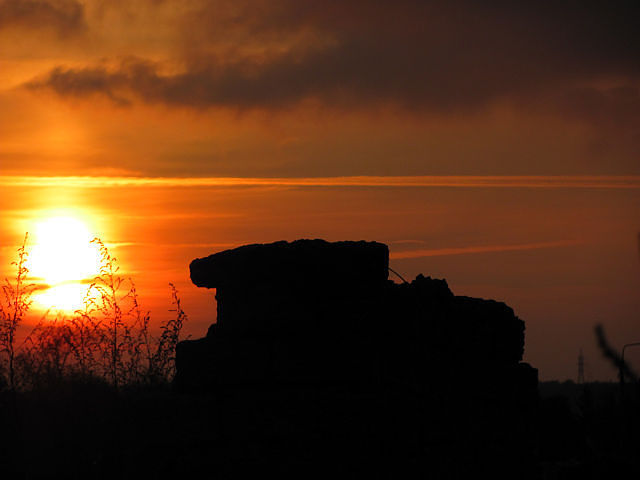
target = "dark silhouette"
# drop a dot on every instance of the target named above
(617, 359)
(365, 374)
(319, 366)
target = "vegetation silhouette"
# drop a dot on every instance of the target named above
(14, 305)
(109, 339)
(83, 382)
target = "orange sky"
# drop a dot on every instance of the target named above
(495, 145)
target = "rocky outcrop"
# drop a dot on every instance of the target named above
(315, 316)
(315, 311)
(282, 288)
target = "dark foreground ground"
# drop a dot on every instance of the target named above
(87, 430)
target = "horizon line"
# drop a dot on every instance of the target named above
(444, 181)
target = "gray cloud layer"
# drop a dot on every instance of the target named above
(65, 17)
(423, 56)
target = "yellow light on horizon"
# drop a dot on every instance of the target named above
(65, 298)
(63, 258)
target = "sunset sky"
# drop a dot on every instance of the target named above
(494, 144)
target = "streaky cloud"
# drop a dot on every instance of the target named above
(438, 252)
(435, 181)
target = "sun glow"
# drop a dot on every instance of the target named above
(63, 260)
(66, 298)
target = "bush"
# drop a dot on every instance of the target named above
(109, 339)
(15, 302)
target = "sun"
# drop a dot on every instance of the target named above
(63, 260)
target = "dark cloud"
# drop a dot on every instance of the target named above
(423, 56)
(614, 106)
(65, 17)
(89, 81)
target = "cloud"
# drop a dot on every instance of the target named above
(610, 106)
(88, 81)
(444, 181)
(65, 17)
(421, 56)
(438, 252)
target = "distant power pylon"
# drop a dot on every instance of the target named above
(580, 368)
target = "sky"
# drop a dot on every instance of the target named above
(495, 144)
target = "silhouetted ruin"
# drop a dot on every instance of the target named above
(314, 311)
(415, 366)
